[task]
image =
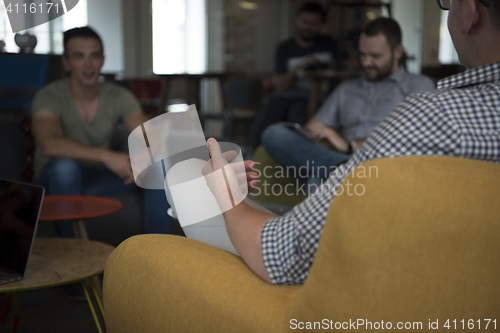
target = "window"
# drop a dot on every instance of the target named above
(179, 36)
(49, 35)
(447, 53)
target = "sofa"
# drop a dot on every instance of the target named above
(419, 248)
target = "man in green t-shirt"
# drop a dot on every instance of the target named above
(73, 121)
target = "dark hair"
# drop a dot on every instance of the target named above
(389, 27)
(312, 7)
(85, 32)
(494, 13)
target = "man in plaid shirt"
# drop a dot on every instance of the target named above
(460, 118)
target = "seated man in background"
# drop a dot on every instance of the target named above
(461, 118)
(73, 122)
(356, 106)
(306, 49)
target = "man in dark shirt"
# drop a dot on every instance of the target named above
(306, 49)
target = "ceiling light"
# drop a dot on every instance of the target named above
(250, 5)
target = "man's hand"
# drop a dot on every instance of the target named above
(284, 81)
(244, 223)
(223, 178)
(119, 163)
(251, 176)
(320, 131)
(243, 170)
(309, 60)
(332, 137)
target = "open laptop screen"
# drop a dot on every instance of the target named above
(20, 205)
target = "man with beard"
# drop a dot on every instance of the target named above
(307, 49)
(355, 108)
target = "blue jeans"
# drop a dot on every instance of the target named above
(307, 159)
(290, 106)
(63, 176)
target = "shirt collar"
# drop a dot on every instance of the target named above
(398, 77)
(484, 74)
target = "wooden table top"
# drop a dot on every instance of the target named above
(59, 261)
(76, 207)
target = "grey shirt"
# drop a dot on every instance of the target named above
(115, 104)
(357, 106)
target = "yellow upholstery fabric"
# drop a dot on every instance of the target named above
(422, 243)
(162, 283)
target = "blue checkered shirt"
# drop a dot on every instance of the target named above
(460, 118)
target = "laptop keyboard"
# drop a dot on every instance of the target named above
(8, 277)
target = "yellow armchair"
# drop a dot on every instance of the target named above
(420, 248)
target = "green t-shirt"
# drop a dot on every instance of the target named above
(115, 104)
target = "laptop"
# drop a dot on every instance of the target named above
(20, 205)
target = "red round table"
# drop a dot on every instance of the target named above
(76, 208)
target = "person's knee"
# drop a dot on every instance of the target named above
(64, 170)
(275, 137)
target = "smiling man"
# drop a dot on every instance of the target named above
(73, 122)
(356, 106)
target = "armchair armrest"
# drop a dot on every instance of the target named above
(164, 283)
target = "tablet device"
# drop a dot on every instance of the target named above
(296, 127)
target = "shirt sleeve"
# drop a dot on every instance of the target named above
(329, 110)
(416, 127)
(48, 101)
(127, 103)
(422, 83)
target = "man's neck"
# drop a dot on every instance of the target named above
(482, 47)
(485, 55)
(304, 43)
(394, 71)
(83, 93)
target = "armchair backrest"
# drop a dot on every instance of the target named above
(422, 243)
(22, 76)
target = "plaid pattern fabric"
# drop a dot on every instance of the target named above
(460, 118)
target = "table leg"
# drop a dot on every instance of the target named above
(88, 288)
(96, 283)
(98, 293)
(164, 96)
(5, 307)
(79, 229)
(80, 232)
(14, 317)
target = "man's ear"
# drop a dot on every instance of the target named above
(297, 20)
(399, 51)
(471, 16)
(65, 63)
